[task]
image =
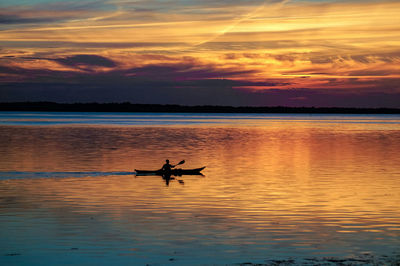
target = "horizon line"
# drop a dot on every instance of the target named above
(48, 106)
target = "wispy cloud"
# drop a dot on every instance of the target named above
(86, 60)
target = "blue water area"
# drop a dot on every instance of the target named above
(154, 119)
(278, 189)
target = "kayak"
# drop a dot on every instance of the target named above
(175, 172)
(195, 171)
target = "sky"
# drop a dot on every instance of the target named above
(319, 53)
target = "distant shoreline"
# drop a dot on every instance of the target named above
(169, 108)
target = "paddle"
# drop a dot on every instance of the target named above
(181, 162)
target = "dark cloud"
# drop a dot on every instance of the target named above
(205, 92)
(27, 74)
(372, 72)
(52, 44)
(362, 59)
(14, 19)
(323, 97)
(390, 56)
(187, 84)
(7, 70)
(184, 6)
(323, 59)
(86, 60)
(49, 13)
(366, 58)
(180, 84)
(183, 72)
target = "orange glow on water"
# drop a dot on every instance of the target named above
(269, 170)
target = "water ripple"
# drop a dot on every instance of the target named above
(28, 175)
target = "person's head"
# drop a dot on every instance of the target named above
(167, 161)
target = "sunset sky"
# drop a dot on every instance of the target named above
(192, 52)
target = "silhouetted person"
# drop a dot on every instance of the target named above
(167, 167)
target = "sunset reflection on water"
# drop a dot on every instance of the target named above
(273, 189)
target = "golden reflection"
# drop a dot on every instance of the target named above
(275, 177)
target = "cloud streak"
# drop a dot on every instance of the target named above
(86, 60)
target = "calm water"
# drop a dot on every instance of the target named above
(275, 187)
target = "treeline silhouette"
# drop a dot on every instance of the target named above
(171, 108)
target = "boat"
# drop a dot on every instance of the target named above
(174, 172)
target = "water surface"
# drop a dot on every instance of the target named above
(275, 187)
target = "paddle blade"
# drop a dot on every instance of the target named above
(181, 162)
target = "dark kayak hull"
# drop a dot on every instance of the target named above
(175, 172)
